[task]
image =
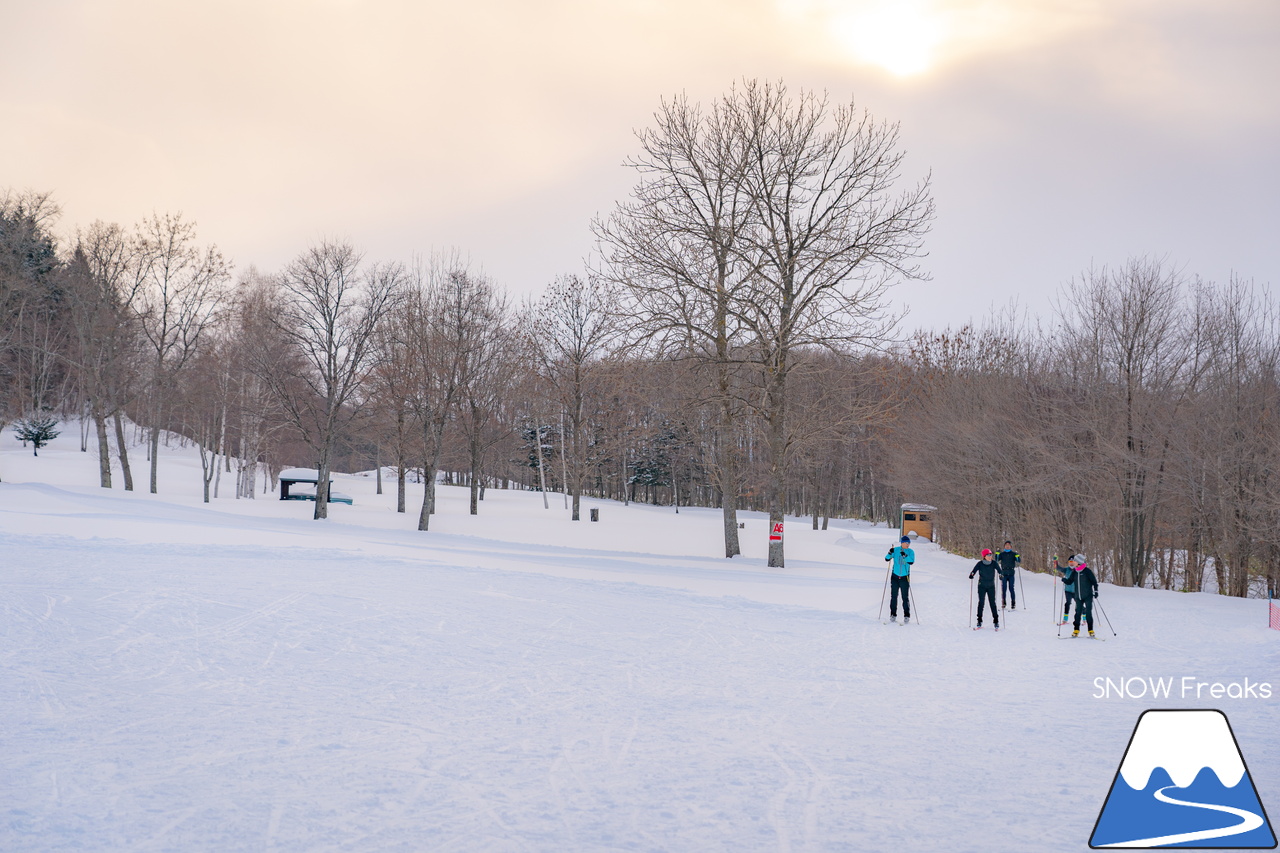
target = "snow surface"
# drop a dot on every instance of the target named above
(235, 676)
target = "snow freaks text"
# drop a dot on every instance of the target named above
(1178, 687)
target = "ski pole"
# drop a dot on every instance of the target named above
(1056, 580)
(971, 582)
(914, 609)
(1098, 602)
(1054, 572)
(1022, 589)
(885, 590)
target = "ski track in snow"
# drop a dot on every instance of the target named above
(375, 689)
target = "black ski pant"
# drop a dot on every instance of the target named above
(900, 582)
(1068, 596)
(986, 592)
(1008, 590)
(1084, 608)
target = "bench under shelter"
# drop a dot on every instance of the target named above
(299, 484)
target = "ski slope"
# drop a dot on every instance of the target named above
(236, 676)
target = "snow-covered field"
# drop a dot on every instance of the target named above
(236, 676)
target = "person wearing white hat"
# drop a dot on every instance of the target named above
(1086, 583)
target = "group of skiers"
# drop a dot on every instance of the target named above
(1080, 584)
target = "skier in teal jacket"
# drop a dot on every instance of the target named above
(1068, 573)
(903, 558)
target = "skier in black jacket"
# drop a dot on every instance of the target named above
(985, 569)
(1009, 561)
(1086, 591)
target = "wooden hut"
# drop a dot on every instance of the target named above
(918, 519)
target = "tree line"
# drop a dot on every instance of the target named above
(1139, 424)
(730, 347)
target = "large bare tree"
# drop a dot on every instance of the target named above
(675, 250)
(830, 233)
(327, 308)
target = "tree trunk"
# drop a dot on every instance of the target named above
(475, 474)
(626, 498)
(222, 444)
(428, 497)
(322, 487)
(122, 451)
(542, 473)
(401, 461)
(432, 443)
(208, 469)
(154, 446)
(776, 485)
(727, 457)
(104, 449)
(564, 465)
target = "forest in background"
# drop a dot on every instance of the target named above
(719, 355)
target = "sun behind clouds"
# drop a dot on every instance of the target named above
(901, 36)
(913, 37)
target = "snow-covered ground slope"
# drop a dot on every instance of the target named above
(236, 676)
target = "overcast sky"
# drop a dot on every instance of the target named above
(1058, 133)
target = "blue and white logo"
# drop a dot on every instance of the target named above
(1183, 783)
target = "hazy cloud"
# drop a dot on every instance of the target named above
(1056, 132)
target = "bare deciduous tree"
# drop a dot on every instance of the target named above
(182, 291)
(326, 310)
(830, 233)
(104, 278)
(675, 251)
(571, 330)
(1140, 355)
(487, 379)
(437, 332)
